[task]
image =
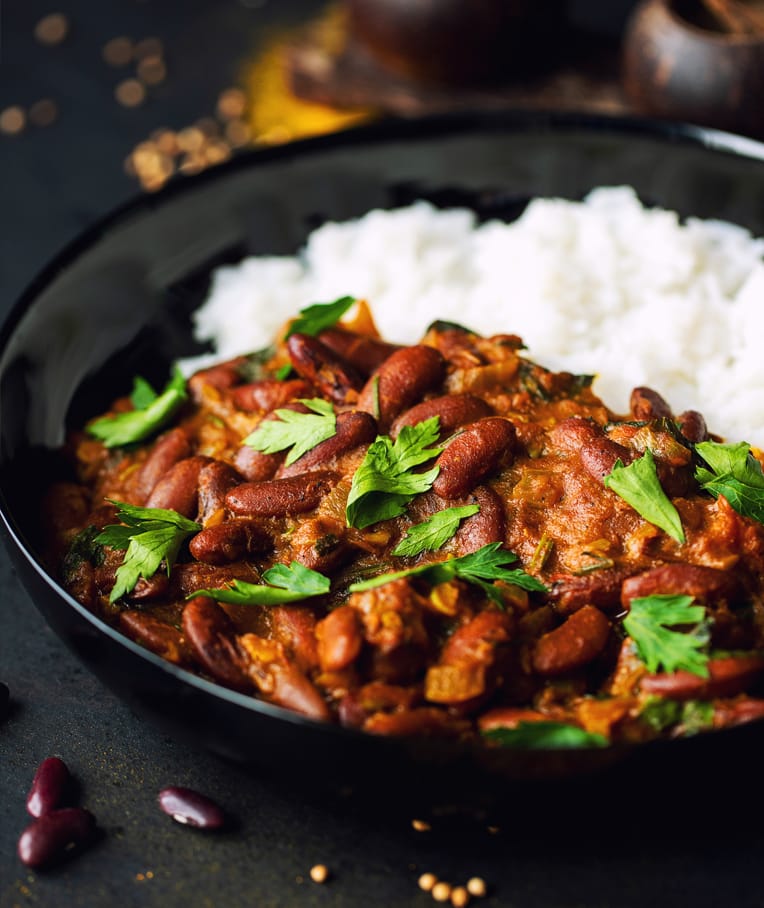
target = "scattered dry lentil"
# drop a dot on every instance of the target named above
(43, 112)
(427, 881)
(148, 47)
(118, 51)
(130, 93)
(232, 103)
(476, 886)
(421, 825)
(151, 70)
(52, 29)
(319, 873)
(12, 120)
(441, 892)
(460, 898)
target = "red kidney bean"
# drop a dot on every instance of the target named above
(179, 490)
(599, 456)
(479, 450)
(737, 712)
(269, 394)
(453, 410)
(195, 575)
(215, 479)
(645, 404)
(148, 588)
(339, 639)
(230, 541)
(281, 497)
(572, 645)
(334, 377)
(478, 638)
(221, 376)
(295, 627)
(191, 808)
(353, 430)
(706, 584)
(401, 381)
(423, 720)
(483, 528)
(48, 786)
(212, 636)
(158, 636)
(509, 717)
(728, 676)
(363, 353)
(169, 448)
(693, 426)
(600, 588)
(52, 835)
(256, 466)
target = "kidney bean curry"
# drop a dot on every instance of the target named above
(442, 539)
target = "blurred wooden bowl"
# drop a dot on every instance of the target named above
(457, 42)
(679, 62)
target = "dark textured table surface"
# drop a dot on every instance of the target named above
(53, 182)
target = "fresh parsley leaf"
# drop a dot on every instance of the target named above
(481, 568)
(688, 718)
(314, 319)
(285, 584)
(736, 474)
(300, 432)
(639, 486)
(138, 424)
(385, 482)
(545, 736)
(434, 532)
(283, 373)
(150, 536)
(649, 624)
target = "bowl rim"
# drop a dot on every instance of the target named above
(392, 129)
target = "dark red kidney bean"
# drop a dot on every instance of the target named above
(728, 676)
(221, 376)
(599, 456)
(353, 430)
(269, 394)
(483, 528)
(48, 786)
(422, 720)
(600, 588)
(52, 835)
(148, 588)
(706, 584)
(339, 638)
(191, 576)
(281, 497)
(477, 640)
(737, 712)
(572, 645)
(572, 433)
(453, 410)
(215, 479)
(229, 541)
(645, 403)
(476, 452)
(693, 426)
(179, 490)
(401, 381)
(334, 377)
(158, 636)
(255, 466)
(363, 353)
(191, 808)
(212, 637)
(168, 449)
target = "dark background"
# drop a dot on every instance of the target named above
(54, 182)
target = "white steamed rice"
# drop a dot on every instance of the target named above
(603, 286)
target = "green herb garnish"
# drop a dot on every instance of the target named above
(386, 482)
(649, 624)
(639, 486)
(153, 413)
(283, 372)
(284, 584)
(688, 718)
(314, 319)
(734, 473)
(150, 536)
(545, 736)
(433, 533)
(480, 568)
(300, 432)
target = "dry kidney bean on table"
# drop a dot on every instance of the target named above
(191, 808)
(48, 838)
(48, 786)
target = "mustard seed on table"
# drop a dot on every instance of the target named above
(427, 881)
(319, 873)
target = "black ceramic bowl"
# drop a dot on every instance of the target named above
(117, 302)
